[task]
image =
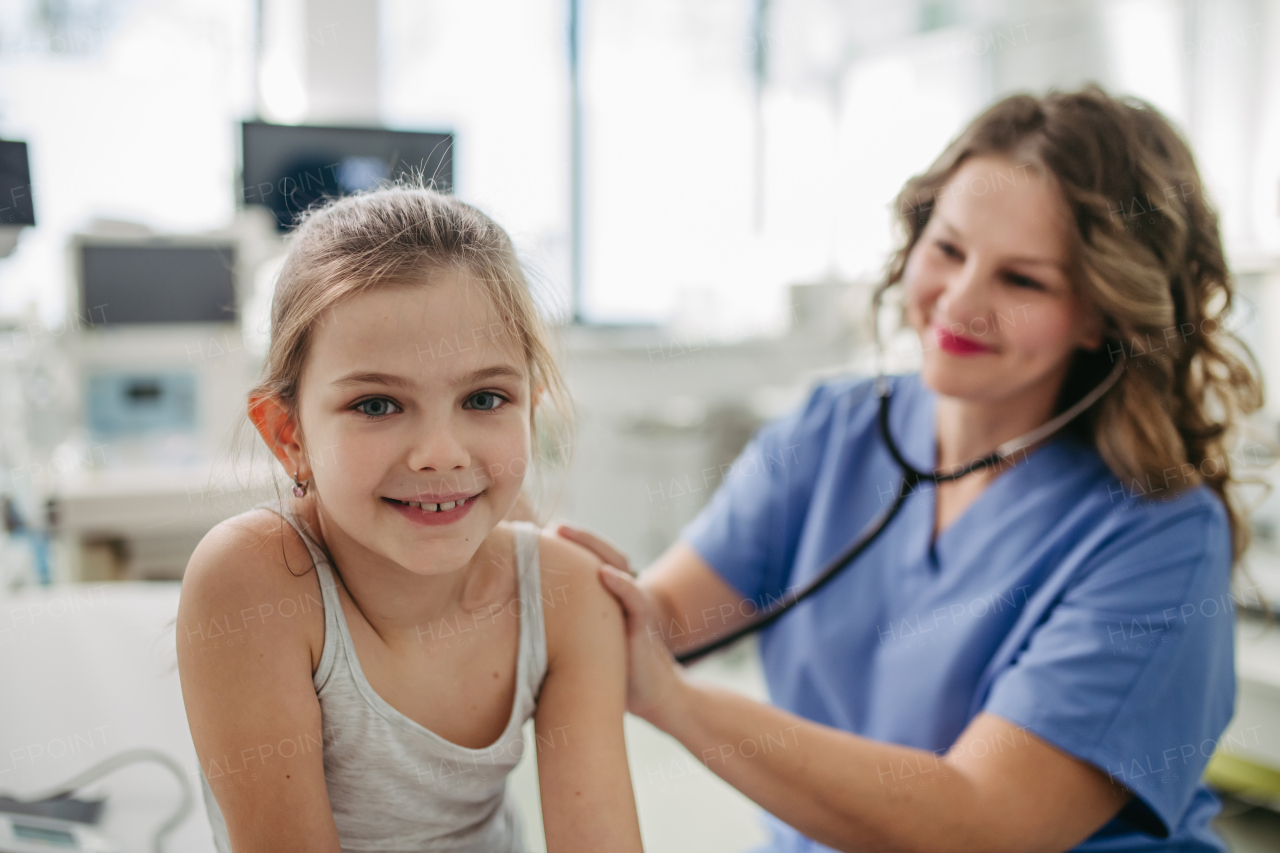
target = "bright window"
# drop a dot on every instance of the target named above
(129, 111)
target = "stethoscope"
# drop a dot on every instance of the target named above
(912, 477)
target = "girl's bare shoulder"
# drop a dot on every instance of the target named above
(575, 604)
(251, 577)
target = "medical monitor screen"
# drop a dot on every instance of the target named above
(131, 283)
(289, 168)
(15, 185)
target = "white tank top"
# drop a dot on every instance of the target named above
(393, 784)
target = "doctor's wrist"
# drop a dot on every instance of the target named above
(673, 706)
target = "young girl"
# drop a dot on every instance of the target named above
(357, 677)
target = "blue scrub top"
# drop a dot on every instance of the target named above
(1096, 613)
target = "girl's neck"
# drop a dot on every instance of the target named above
(397, 603)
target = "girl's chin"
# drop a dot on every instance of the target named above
(439, 557)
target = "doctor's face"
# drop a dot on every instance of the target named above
(988, 287)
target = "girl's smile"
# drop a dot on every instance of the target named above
(444, 510)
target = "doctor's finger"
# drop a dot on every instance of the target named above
(631, 597)
(602, 548)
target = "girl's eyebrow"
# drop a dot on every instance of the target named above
(359, 378)
(498, 371)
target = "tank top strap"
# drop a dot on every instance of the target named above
(533, 626)
(328, 591)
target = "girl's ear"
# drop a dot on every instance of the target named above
(279, 430)
(535, 394)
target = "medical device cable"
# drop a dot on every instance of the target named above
(792, 598)
(912, 477)
(123, 759)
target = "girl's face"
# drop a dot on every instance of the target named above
(416, 394)
(988, 287)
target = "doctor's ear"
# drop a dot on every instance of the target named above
(278, 429)
(1093, 334)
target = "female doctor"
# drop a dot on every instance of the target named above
(1026, 660)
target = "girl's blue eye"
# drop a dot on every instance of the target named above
(484, 401)
(376, 407)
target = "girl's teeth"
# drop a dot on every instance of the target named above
(444, 507)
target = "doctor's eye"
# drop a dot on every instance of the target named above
(949, 249)
(484, 401)
(1023, 281)
(376, 407)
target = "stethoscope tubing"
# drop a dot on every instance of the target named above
(912, 477)
(910, 482)
(791, 598)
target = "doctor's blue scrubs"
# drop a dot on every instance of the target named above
(1093, 612)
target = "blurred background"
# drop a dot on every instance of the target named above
(701, 193)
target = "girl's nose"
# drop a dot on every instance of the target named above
(438, 448)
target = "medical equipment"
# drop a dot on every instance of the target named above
(288, 168)
(911, 479)
(15, 183)
(155, 323)
(16, 209)
(122, 404)
(24, 834)
(157, 280)
(154, 369)
(27, 833)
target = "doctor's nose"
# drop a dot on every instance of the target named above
(965, 294)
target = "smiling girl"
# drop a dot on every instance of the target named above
(383, 710)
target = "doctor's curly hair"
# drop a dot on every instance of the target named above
(1148, 256)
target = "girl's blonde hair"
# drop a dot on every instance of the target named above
(1148, 257)
(395, 237)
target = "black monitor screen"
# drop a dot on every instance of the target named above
(15, 185)
(288, 168)
(158, 284)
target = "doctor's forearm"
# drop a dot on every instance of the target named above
(842, 790)
(837, 788)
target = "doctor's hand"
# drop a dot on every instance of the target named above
(654, 682)
(652, 671)
(602, 548)
(652, 668)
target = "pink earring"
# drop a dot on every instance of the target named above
(299, 489)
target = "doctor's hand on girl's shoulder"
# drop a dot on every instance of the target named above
(654, 680)
(655, 685)
(602, 548)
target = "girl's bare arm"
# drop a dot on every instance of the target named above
(246, 681)
(587, 800)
